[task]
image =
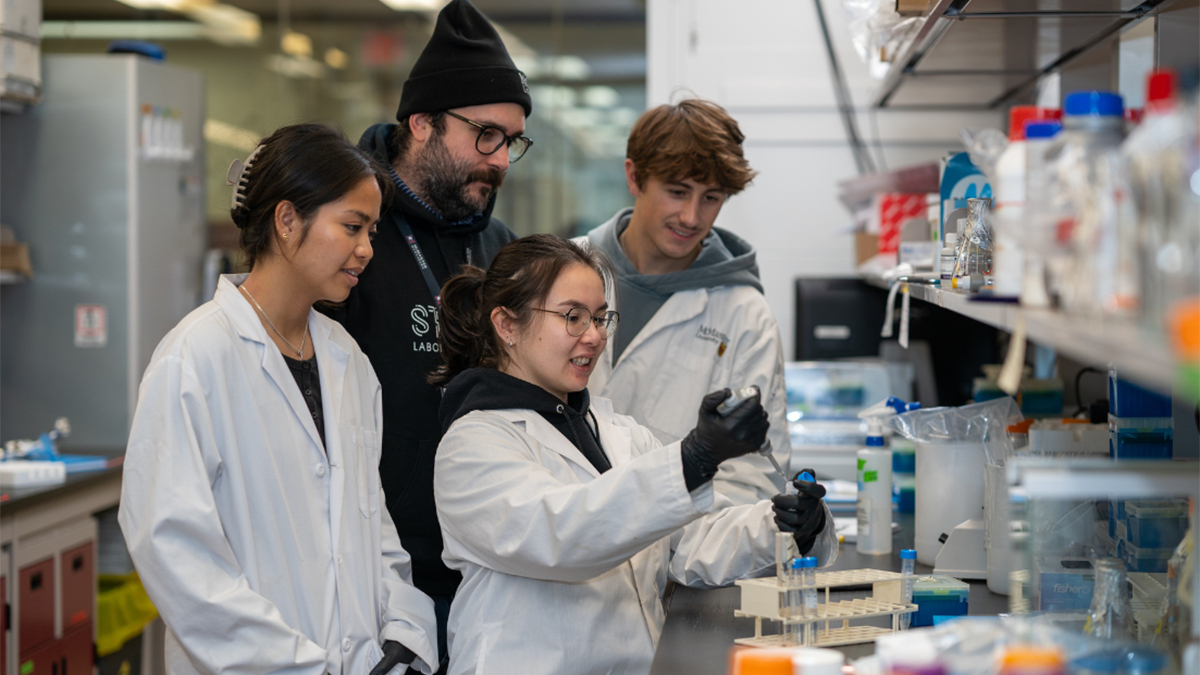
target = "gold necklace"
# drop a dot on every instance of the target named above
(300, 351)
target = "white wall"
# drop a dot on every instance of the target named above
(765, 61)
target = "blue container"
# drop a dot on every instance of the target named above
(1127, 399)
(1156, 524)
(938, 598)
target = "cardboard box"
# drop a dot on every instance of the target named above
(20, 69)
(911, 7)
(15, 258)
(865, 247)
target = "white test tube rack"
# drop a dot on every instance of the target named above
(766, 598)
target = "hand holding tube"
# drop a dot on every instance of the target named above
(802, 514)
(717, 437)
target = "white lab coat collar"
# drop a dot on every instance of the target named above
(680, 307)
(614, 440)
(333, 357)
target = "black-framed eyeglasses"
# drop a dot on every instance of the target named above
(578, 318)
(491, 139)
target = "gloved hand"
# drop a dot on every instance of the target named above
(394, 654)
(802, 514)
(716, 439)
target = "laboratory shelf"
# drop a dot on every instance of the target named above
(1137, 353)
(979, 54)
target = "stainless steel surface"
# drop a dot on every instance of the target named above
(1138, 354)
(701, 627)
(107, 224)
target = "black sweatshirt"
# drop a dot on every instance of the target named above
(488, 389)
(392, 316)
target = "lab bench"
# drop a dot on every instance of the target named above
(48, 568)
(701, 627)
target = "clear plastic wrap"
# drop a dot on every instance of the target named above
(878, 33)
(1110, 616)
(985, 423)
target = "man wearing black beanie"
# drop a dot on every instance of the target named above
(461, 119)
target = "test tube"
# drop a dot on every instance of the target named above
(809, 567)
(795, 630)
(908, 561)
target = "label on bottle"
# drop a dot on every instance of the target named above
(947, 266)
(864, 518)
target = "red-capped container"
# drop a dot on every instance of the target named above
(1160, 89)
(1019, 114)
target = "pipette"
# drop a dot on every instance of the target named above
(735, 399)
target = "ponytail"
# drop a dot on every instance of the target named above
(465, 338)
(520, 277)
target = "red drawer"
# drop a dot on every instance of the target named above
(77, 654)
(36, 595)
(78, 585)
(43, 660)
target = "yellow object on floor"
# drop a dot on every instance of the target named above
(123, 610)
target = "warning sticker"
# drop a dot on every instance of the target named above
(91, 326)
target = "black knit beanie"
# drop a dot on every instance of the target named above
(464, 64)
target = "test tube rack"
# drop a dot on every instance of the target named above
(766, 598)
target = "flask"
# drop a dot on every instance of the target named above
(908, 565)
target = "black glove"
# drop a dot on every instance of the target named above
(394, 654)
(803, 514)
(716, 439)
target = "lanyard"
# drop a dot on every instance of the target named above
(434, 289)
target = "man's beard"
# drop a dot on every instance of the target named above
(442, 181)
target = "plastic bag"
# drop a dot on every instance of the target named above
(986, 423)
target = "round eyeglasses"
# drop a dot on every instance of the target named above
(491, 139)
(578, 318)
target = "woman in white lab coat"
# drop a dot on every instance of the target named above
(251, 495)
(565, 519)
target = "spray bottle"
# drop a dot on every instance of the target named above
(875, 480)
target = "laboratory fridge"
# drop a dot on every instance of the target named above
(104, 180)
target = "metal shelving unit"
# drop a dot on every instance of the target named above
(979, 54)
(1137, 353)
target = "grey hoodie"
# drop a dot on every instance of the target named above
(725, 260)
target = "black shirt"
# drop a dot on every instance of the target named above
(305, 373)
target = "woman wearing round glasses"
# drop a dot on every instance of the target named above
(565, 519)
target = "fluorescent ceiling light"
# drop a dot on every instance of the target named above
(336, 58)
(224, 24)
(230, 136)
(122, 30)
(290, 66)
(296, 44)
(415, 5)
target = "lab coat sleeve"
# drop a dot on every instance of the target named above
(169, 518)
(758, 360)
(408, 614)
(736, 542)
(502, 509)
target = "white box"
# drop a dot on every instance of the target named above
(20, 69)
(23, 474)
(21, 17)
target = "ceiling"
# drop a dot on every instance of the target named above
(610, 35)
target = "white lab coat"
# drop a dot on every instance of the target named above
(564, 568)
(261, 552)
(698, 342)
